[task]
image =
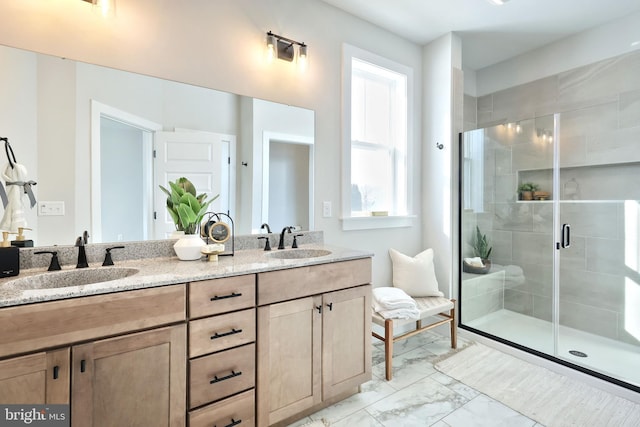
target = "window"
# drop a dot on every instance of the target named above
(472, 170)
(377, 109)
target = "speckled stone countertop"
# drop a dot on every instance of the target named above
(160, 271)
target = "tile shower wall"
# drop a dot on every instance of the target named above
(600, 164)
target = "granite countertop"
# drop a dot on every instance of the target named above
(170, 270)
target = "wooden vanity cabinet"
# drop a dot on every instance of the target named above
(315, 347)
(222, 351)
(135, 377)
(38, 378)
(138, 380)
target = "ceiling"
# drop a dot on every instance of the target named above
(489, 33)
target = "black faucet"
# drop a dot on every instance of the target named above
(265, 225)
(82, 254)
(55, 263)
(281, 243)
(267, 245)
(107, 256)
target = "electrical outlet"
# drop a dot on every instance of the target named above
(51, 208)
(326, 209)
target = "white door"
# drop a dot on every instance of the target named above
(203, 158)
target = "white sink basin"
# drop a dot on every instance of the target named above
(65, 278)
(299, 253)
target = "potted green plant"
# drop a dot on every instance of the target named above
(187, 210)
(482, 250)
(526, 190)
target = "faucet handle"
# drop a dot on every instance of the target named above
(295, 242)
(55, 263)
(267, 245)
(107, 256)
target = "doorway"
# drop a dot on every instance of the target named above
(121, 175)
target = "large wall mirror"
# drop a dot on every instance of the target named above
(99, 141)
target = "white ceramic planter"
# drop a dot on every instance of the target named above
(188, 247)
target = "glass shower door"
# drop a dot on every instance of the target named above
(599, 279)
(507, 196)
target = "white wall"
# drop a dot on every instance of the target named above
(439, 59)
(606, 41)
(221, 45)
(18, 120)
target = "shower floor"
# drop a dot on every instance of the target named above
(613, 358)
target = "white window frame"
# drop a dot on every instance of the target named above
(350, 222)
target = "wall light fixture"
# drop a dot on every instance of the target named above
(284, 48)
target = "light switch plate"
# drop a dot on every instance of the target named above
(54, 208)
(326, 209)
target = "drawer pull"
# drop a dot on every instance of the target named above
(233, 374)
(232, 295)
(56, 372)
(233, 423)
(83, 365)
(233, 331)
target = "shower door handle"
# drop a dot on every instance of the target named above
(566, 236)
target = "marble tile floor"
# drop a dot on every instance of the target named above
(418, 395)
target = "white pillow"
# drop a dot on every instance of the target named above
(416, 276)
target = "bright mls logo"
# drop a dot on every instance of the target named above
(34, 415)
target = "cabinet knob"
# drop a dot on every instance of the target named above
(330, 305)
(83, 365)
(56, 372)
(319, 308)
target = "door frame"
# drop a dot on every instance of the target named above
(98, 111)
(285, 138)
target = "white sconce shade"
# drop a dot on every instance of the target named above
(302, 57)
(107, 8)
(271, 47)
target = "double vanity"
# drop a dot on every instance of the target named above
(258, 338)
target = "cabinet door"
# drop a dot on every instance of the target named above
(134, 380)
(346, 340)
(36, 378)
(289, 367)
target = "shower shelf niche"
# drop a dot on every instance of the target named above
(602, 182)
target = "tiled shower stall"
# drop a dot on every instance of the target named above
(576, 136)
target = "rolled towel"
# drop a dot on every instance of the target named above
(390, 298)
(474, 262)
(400, 313)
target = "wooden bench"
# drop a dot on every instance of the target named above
(428, 306)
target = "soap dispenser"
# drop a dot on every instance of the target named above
(20, 241)
(9, 257)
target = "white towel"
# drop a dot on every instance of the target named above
(390, 298)
(400, 313)
(474, 262)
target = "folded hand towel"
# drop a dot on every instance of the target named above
(401, 313)
(390, 298)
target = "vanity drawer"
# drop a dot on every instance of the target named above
(222, 374)
(221, 332)
(239, 409)
(217, 296)
(283, 285)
